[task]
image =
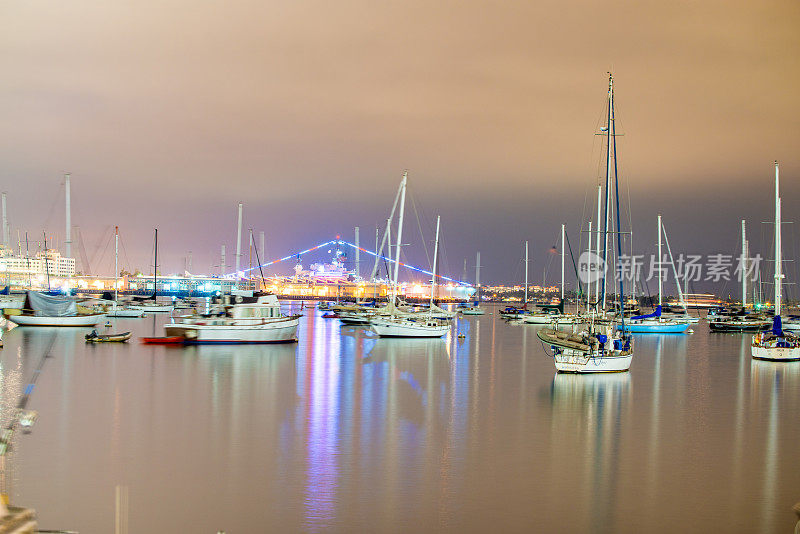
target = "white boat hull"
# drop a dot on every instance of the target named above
(408, 328)
(570, 361)
(125, 312)
(279, 331)
(472, 311)
(780, 354)
(75, 320)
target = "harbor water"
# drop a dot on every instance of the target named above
(345, 432)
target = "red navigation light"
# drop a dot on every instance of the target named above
(337, 236)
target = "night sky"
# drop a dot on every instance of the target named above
(168, 113)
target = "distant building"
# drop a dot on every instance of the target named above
(21, 271)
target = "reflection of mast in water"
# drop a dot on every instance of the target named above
(655, 425)
(599, 402)
(738, 440)
(774, 379)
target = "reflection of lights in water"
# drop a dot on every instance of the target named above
(587, 413)
(773, 379)
(322, 427)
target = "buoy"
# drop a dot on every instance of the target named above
(108, 324)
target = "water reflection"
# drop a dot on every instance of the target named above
(588, 417)
(774, 384)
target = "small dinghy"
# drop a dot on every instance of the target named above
(169, 340)
(94, 337)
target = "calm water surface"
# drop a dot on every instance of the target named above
(349, 433)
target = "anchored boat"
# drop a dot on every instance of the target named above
(256, 319)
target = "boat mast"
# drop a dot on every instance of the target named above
(400, 232)
(562, 263)
(379, 250)
(155, 270)
(435, 256)
(660, 282)
(116, 265)
(608, 181)
(588, 284)
(742, 266)
(478, 277)
(238, 241)
(526, 275)
(612, 135)
(778, 259)
(46, 266)
(597, 249)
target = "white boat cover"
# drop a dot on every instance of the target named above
(51, 306)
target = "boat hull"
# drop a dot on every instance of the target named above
(738, 326)
(74, 321)
(656, 328)
(389, 328)
(160, 308)
(472, 311)
(124, 312)
(776, 354)
(284, 331)
(596, 363)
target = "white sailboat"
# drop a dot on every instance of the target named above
(48, 310)
(417, 325)
(597, 348)
(550, 314)
(117, 310)
(775, 344)
(655, 323)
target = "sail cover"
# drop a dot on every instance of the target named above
(50, 306)
(656, 313)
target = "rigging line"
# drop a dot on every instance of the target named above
(419, 226)
(53, 206)
(574, 266)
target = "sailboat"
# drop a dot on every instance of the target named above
(150, 304)
(117, 310)
(550, 314)
(475, 309)
(654, 323)
(598, 348)
(775, 344)
(738, 321)
(414, 325)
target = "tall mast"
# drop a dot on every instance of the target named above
(358, 257)
(562, 262)
(68, 241)
(608, 180)
(597, 249)
(239, 242)
(435, 256)
(588, 284)
(743, 266)
(660, 281)
(379, 250)
(46, 266)
(400, 230)
(5, 222)
(612, 136)
(526, 275)
(116, 264)
(155, 270)
(778, 258)
(478, 276)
